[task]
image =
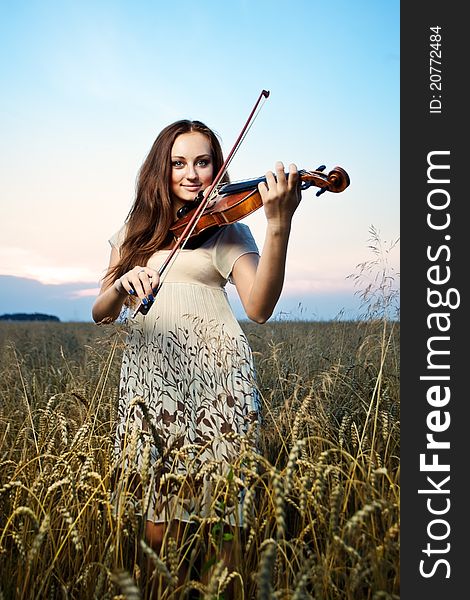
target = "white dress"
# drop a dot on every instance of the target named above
(187, 390)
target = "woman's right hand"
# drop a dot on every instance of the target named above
(141, 282)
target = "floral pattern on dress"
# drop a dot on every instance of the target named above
(188, 400)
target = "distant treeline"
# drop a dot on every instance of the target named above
(28, 317)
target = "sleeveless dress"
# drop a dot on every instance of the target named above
(187, 401)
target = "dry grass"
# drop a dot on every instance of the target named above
(321, 498)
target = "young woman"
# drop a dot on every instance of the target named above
(187, 385)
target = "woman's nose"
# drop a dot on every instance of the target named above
(191, 172)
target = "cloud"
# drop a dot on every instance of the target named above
(85, 293)
(68, 301)
(26, 263)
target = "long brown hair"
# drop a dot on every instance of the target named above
(151, 215)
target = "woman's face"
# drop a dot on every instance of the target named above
(192, 168)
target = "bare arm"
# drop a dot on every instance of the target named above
(139, 281)
(259, 281)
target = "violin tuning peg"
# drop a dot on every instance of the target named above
(322, 191)
(321, 168)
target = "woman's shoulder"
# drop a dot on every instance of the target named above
(117, 239)
(234, 232)
(235, 239)
(232, 241)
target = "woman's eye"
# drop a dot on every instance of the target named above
(204, 162)
(176, 164)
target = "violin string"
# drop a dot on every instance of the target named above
(252, 179)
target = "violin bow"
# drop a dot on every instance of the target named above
(192, 223)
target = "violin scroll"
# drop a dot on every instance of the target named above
(337, 180)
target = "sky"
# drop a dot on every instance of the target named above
(87, 86)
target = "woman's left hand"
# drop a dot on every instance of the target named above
(281, 195)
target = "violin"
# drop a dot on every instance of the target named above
(226, 203)
(235, 201)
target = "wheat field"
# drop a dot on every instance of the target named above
(321, 495)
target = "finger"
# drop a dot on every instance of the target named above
(281, 176)
(133, 282)
(294, 177)
(153, 282)
(270, 182)
(263, 190)
(146, 276)
(280, 171)
(152, 274)
(293, 171)
(127, 285)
